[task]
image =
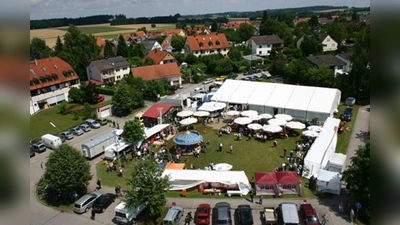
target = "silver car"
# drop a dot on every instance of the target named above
(86, 202)
(93, 123)
(67, 135)
(76, 131)
(85, 127)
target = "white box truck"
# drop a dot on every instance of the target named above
(123, 215)
(51, 141)
(96, 146)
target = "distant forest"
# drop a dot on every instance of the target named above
(187, 19)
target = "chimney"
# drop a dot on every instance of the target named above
(36, 62)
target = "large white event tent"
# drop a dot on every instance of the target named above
(322, 150)
(301, 102)
(184, 179)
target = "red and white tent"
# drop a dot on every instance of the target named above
(267, 183)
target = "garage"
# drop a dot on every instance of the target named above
(105, 113)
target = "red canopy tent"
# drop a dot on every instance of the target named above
(268, 183)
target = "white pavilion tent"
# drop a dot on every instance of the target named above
(278, 98)
(260, 97)
(337, 162)
(329, 182)
(322, 149)
(299, 101)
(323, 103)
(244, 93)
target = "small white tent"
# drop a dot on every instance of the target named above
(336, 163)
(328, 181)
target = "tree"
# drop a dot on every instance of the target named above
(108, 50)
(87, 111)
(214, 26)
(122, 99)
(91, 93)
(355, 16)
(139, 50)
(287, 17)
(67, 171)
(336, 31)
(133, 131)
(313, 23)
(310, 45)
(153, 25)
(148, 61)
(59, 46)
(234, 54)
(146, 184)
(245, 31)
(178, 42)
(357, 176)
(301, 29)
(76, 95)
(224, 66)
(122, 48)
(38, 49)
(191, 59)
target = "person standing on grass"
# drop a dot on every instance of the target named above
(275, 143)
(284, 152)
(220, 146)
(231, 148)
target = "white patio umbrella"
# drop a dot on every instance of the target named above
(296, 125)
(232, 113)
(272, 128)
(119, 132)
(266, 116)
(243, 120)
(279, 122)
(255, 117)
(201, 113)
(254, 126)
(188, 121)
(184, 113)
(284, 117)
(314, 128)
(249, 113)
(310, 133)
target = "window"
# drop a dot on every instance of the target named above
(201, 44)
(210, 43)
(196, 52)
(328, 39)
(217, 43)
(118, 77)
(260, 46)
(269, 52)
(333, 45)
(124, 68)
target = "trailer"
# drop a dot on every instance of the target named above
(270, 216)
(96, 146)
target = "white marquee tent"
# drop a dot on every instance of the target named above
(322, 149)
(301, 102)
(337, 162)
(184, 179)
(330, 182)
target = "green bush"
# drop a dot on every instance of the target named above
(75, 115)
(105, 91)
(63, 108)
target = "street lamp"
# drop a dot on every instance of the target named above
(55, 127)
(160, 111)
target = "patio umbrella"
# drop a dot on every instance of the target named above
(266, 116)
(201, 113)
(279, 122)
(296, 125)
(184, 113)
(118, 132)
(243, 120)
(232, 113)
(255, 117)
(254, 126)
(188, 121)
(310, 133)
(272, 128)
(314, 128)
(188, 138)
(222, 167)
(249, 113)
(284, 117)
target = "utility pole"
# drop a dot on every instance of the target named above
(160, 111)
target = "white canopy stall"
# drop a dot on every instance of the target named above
(184, 179)
(322, 149)
(329, 182)
(213, 108)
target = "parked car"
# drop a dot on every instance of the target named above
(207, 81)
(243, 215)
(86, 202)
(67, 135)
(203, 214)
(102, 202)
(99, 98)
(102, 121)
(308, 214)
(38, 147)
(85, 127)
(93, 123)
(76, 131)
(221, 78)
(245, 79)
(256, 78)
(347, 114)
(233, 76)
(222, 214)
(32, 153)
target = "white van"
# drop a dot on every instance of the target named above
(51, 141)
(290, 215)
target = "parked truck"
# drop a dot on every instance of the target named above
(96, 146)
(270, 216)
(51, 141)
(123, 215)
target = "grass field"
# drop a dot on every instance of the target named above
(100, 29)
(344, 138)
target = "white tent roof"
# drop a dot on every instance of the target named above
(300, 98)
(212, 106)
(280, 96)
(153, 130)
(225, 92)
(323, 99)
(261, 94)
(243, 93)
(322, 149)
(196, 177)
(338, 159)
(328, 181)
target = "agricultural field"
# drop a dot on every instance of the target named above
(102, 30)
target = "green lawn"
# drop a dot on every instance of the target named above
(100, 29)
(344, 138)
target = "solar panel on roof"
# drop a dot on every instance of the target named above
(116, 60)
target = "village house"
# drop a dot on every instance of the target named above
(330, 61)
(170, 71)
(262, 45)
(162, 57)
(107, 70)
(328, 44)
(210, 44)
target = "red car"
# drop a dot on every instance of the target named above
(203, 214)
(307, 212)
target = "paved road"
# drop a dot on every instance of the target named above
(41, 214)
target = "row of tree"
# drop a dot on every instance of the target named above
(60, 22)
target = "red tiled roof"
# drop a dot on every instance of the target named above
(95, 82)
(171, 32)
(140, 33)
(50, 68)
(296, 21)
(235, 24)
(158, 55)
(208, 41)
(156, 72)
(153, 112)
(100, 42)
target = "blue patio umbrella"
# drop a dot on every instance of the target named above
(188, 138)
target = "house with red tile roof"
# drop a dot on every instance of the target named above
(234, 24)
(263, 45)
(207, 44)
(298, 20)
(170, 71)
(162, 57)
(166, 44)
(168, 113)
(50, 81)
(198, 30)
(172, 32)
(107, 70)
